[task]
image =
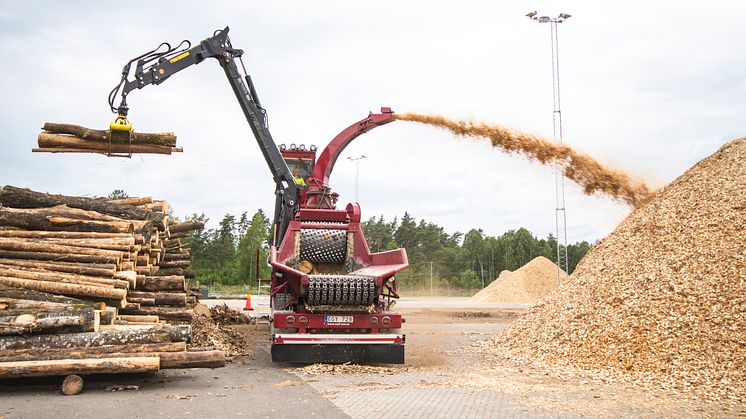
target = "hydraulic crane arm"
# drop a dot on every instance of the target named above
(154, 67)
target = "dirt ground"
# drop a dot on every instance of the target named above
(444, 376)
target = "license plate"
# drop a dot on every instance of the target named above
(338, 319)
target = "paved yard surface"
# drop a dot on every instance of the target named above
(444, 377)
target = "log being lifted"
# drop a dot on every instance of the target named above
(154, 138)
(57, 143)
(11, 196)
(161, 334)
(79, 366)
(65, 321)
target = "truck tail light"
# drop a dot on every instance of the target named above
(373, 320)
(386, 320)
(290, 320)
(303, 320)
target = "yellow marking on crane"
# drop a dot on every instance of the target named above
(178, 57)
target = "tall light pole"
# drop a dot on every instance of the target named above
(559, 181)
(357, 172)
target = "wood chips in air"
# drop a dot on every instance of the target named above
(526, 285)
(661, 300)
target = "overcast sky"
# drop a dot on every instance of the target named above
(650, 87)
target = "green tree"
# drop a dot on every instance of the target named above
(118, 194)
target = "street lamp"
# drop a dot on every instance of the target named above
(357, 172)
(560, 219)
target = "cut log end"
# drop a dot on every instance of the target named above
(72, 385)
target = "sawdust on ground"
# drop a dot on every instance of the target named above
(348, 368)
(226, 329)
(526, 285)
(661, 302)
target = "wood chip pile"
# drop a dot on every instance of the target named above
(526, 285)
(84, 279)
(68, 138)
(211, 329)
(661, 300)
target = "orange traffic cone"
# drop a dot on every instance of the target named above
(248, 301)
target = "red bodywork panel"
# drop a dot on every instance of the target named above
(318, 321)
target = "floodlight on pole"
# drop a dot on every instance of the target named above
(560, 217)
(357, 173)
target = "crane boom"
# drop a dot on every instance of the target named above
(157, 66)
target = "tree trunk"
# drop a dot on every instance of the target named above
(163, 334)
(57, 257)
(162, 283)
(56, 143)
(41, 322)
(186, 226)
(21, 245)
(161, 298)
(170, 272)
(163, 313)
(55, 223)
(11, 196)
(72, 268)
(30, 234)
(25, 294)
(132, 201)
(72, 385)
(155, 138)
(140, 319)
(63, 212)
(41, 275)
(90, 352)
(176, 256)
(79, 366)
(31, 305)
(168, 360)
(141, 301)
(106, 293)
(176, 264)
(122, 245)
(192, 359)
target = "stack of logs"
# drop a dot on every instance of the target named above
(69, 138)
(94, 279)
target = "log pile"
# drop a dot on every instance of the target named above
(80, 279)
(68, 138)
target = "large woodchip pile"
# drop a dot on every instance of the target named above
(526, 285)
(93, 285)
(662, 299)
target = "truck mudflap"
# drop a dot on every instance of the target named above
(338, 348)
